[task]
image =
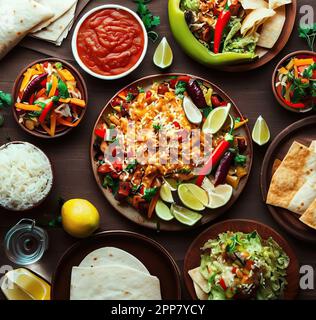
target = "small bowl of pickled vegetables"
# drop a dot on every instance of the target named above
(294, 81)
(50, 98)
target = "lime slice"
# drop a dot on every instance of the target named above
(185, 215)
(172, 183)
(163, 211)
(192, 112)
(190, 198)
(165, 193)
(216, 119)
(261, 132)
(163, 56)
(218, 196)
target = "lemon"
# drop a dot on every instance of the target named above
(163, 56)
(261, 132)
(185, 215)
(218, 196)
(216, 119)
(192, 196)
(163, 211)
(80, 218)
(165, 193)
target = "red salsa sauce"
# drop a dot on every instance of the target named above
(110, 41)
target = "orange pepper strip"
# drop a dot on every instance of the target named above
(28, 107)
(41, 93)
(54, 86)
(60, 73)
(303, 62)
(64, 100)
(53, 120)
(78, 102)
(67, 123)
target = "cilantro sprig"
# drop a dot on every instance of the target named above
(308, 32)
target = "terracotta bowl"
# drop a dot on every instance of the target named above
(282, 63)
(35, 205)
(81, 85)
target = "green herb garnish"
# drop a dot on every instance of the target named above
(181, 87)
(308, 33)
(240, 159)
(130, 97)
(5, 99)
(150, 193)
(150, 21)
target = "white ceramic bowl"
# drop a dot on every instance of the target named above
(75, 50)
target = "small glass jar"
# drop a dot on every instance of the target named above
(25, 243)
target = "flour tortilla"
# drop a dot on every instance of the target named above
(58, 30)
(313, 146)
(58, 7)
(199, 280)
(293, 185)
(255, 19)
(254, 4)
(17, 18)
(272, 29)
(112, 256)
(274, 4)
(113, 282)
(309, 217)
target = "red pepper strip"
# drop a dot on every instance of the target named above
(173, 82)
(289, 103)
(45, 111)
(223, 284)
(43, 83)
(32, 98)
(214, 159)
(221, 24)
(100, 133)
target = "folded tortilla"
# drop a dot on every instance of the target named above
(17, 18)
(293, 185)
(113, 282)
(272, 29)
(255, 19)
(273, 4)
(199, 280)
(111, 255)
(309, 216)
(254, 4)
(58, 8)
(58, 28)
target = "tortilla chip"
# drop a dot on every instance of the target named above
(313, 146)
(276, 165)
(254, 4)
(272, 29)
(309, 217)
(293, 185)
(200, 294)
(274, 4)
(255, 19)
(198, 279)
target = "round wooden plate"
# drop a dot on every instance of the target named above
(304, 132)
(156, 259)
(193, 255)
(132, 214)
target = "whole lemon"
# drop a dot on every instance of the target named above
(80, 218)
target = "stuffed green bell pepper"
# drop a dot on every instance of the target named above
(219, 44)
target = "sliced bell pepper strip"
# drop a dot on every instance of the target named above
(193, 47)
(78, 102)
(54, 86)
(67, 123)
(215, 157)
(28, 107)
(240, 123)
(303, 62)
(53, 119)
(100, 133)
(41, 93)
(67, 75)
(45, 111)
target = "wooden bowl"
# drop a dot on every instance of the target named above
(283, 63)
(35, 205)
(193, 255)
(81, 85)
(135, 216)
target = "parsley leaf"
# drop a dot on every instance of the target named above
(5, 99)
(181, 86)
(309, 34)
(130, 97)
(150, 193)
(150, 21)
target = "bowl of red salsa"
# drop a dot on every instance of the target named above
(109, 42)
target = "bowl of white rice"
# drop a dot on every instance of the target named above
(26, 176)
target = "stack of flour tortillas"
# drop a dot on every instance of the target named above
(293, 184)
(113, 274)
(50, 20)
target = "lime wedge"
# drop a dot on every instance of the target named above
(163, 56)
(166, 194)
(218, 196)
(216, 119)
(163, 211)
(191, 197)
(185, 215)
(261, 132)
(192, 112)
(172, 183)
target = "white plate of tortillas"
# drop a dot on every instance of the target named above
(140, 269)
(289, 179)
(44, 19)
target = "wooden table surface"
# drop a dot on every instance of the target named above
(252, 93)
